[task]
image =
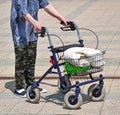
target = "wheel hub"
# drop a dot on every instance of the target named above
(72, 100)
(95, 92)
(32, 94)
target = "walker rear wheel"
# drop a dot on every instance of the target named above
(33, 95)
(93, 93)
(66, 82)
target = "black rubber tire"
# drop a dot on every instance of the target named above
(66, 82)
(92, 93)
(34, 97)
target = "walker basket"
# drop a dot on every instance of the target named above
(85, 65)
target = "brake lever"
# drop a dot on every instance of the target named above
(70, 27)
(65, 28)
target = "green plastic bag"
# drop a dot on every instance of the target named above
(72, 69)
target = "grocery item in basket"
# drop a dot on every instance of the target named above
(81, 56)
(72, 69)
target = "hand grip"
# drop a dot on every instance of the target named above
(70, 27)
(41, 33)
(43, 30)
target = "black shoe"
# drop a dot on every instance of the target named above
(20, 92)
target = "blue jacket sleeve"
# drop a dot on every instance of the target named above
(43, 3)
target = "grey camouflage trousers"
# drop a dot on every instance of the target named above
(25, 58)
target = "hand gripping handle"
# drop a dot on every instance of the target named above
(70, 27)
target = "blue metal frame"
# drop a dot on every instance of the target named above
(57, 66)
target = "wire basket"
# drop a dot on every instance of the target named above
(85, 65)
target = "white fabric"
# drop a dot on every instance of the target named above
(77, 52)
(91, 56)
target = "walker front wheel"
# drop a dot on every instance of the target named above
(33, 95)
(71, 101)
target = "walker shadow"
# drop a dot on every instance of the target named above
(58, 98)
(10, 85)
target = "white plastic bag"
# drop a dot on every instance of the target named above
(81, 56)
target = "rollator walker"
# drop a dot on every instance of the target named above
(73, 98)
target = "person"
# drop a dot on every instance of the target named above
(24, 24)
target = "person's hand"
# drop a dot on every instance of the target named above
(64, 22)
(38, 26)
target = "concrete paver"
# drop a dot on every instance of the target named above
(52, 101)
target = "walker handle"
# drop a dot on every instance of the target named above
(41, 33)
(70, 27)
(43, 30)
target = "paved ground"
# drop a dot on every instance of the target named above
(52, 103)
(98, 15)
